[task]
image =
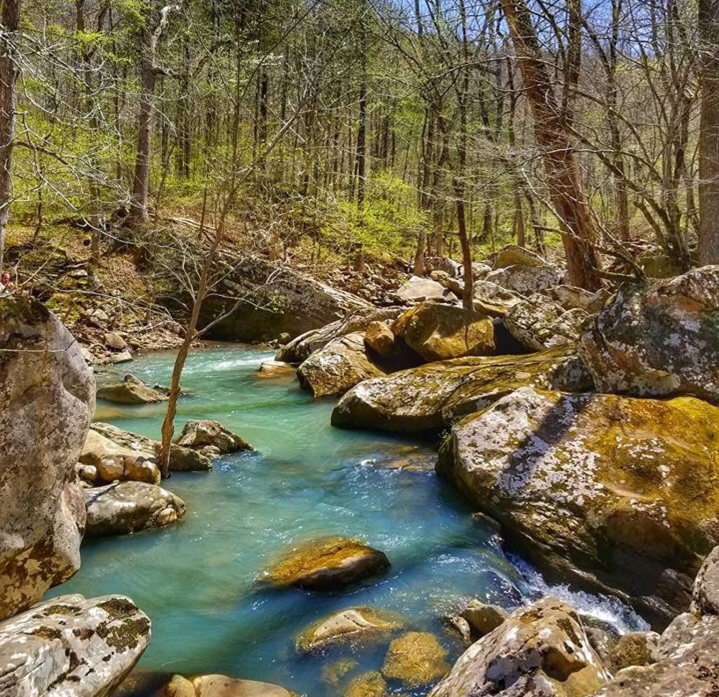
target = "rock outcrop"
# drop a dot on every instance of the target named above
(337, 367)
(659, 339)
(434, 395)
(130, 391)
(114, 462)
(617, 493)
(129, 507)
(71, 647)
(48, 397)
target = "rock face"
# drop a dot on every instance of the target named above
(48, 397)
(337, 367)
(181, 459)
(276, 300)
(659, 340)
(617, 493)
(130, 391)
(434, 395)
(418, 289)
(71, 647)
(206, 433)
(439, 332)
(525, 280)
(326, 564)
(117, 463)
(541, 651)
(415, 659)
(128, 507)
(538, 323)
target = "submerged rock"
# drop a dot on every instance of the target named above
(48, 396)
(71, 647)
(660, 339)
(611, 491)
(211, 434)
(326, 564)
(181, 459)
(114, 462)
(415, 659)
(128, 507)
(434, 395)
(130, 391)
(276, 369)
(439, 332)
(540, 650)
(370, 684)
(354, 624)
(337, 367)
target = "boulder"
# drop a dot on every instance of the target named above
(493, 300)
(48, 396)
(415, 659)
(181, 459)
(122, 357)
(417, 289)
(222, 686)
(451, 283)
(210, 434)
(445, 265)
(265, 300)
(130, 391)
(537, 323)
(115, 341)
(276, 369)
(541, 650)
(370, 684)
(525, 280)
(114, 462)
(379, 339)
(434, 395)
(705, 596)
(573, 298)
(337, 367)
(439, 332)
(326, 564)
(126, 507)
(354, 624)
(483, 618)
(633, 649)
(71, 647)
(613, 492)
(658, 339)
(479, 270)
(301, 348)
(514, 255)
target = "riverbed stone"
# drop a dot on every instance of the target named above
(525, 280)
(326, 564)
(353, 624)
(114, 462)
(538, 323)
(659, 338)
(380, 339)
(433, 396)
(483, 618)
(182, 459)
(127, 507)
(616, 493)
(370, 684)
(48, 397)
(337, 367)
(415, 659)
(513, 254)
(130, 390)
(541, 650)
(439, 332)
(633, 649)
(71, 647)
(276, 369)
(222, 686)
(492, 299)
(418, 289)
(207, 433)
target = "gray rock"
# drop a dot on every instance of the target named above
(537, 323)
(706, 586)
(117, 509)
(573, 298)
(48, 397)
(71, 647)
(130, 391)
(514, 255)
(122, 357)
(208, 433)
(115, 341)
(418, 289)
(525, 280)
(493, 299)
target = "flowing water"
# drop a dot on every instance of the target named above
(196, 580)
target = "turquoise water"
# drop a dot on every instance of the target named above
(196, 579)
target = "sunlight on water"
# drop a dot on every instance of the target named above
(196, 580)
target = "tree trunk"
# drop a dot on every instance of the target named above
(361, 166)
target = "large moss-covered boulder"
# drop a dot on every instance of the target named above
(326, 564)
(540, 650)
(617, 493)
(659, 339)
(337, 367)
(415, 659)
(48, 397)
(439, 332)
(432, 396)
(71, 647)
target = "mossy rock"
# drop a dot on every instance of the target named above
(416, 659)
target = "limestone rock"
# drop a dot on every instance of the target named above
(117, 509)
(48, 396)
(181, 459)
(207, 433)
(122, 357)
(354, 624)
(633, 649)
(434, 395)
(538, 323)
(541, 650)
(660, 339)
(492, 299)
(130, 391)
(513, 254)
(276, 369)
(326, 564)
(445, 265)
(337, 367)
(573, 298)
(614, 492)
(380, 339)
(415, 659)
(222, 686)
(706, 586)
(418, 289)
(525, 280)
(115, 341)
(439, 332)
(114, 462)
(483, 618)
(71, 647)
